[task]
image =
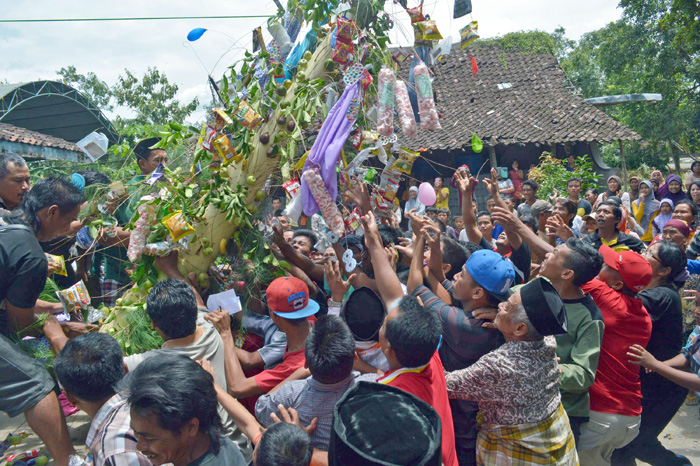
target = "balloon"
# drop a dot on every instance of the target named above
(195, 34)
(426, 194)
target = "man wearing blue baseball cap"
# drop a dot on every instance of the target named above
(476, 291)
(290, 306)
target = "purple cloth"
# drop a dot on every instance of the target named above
(326, 149)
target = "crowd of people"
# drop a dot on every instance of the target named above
(532, 332)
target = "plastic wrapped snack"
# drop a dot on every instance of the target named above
(159, 249)
(385, 102)
(57, 264)
(342, 52)
(353, 222)
(246, 116)
(429, 30)
(426, 103)
(328, 208)
(469, 34)
(416, 14)
(345, 28)
(177, 225)
(142, 229)
(74, 297)
(405, 161)
(403, 106)
(224, 147)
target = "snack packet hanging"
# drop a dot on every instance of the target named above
(224, 147)
(353, 222)
(142, 228)
(405, 160)
(342, 52)
(345, 27)
(469, 34)
(177, 225)
(57, 263)
(246, 116)
(426, 103)
(74, 297)
(221, 119)
(206, 136)
(407, 118)
(416, 14)
(292, 188)
(429, 30)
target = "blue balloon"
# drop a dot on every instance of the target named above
(195, 34)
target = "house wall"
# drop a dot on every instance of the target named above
(40, 152)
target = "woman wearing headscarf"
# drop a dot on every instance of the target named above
(615, 189)
(413, 203)
(645, 208)
(665, 214)
(672, 189)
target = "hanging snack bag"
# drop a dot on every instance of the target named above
(57, 263)
(416, 14)
(221, 119)
(345, 28)
(292, 188)
(224, 147)
(342, 52)
(426, 103)
(74, 297)
(142, 228)
(469, 34)
(246, 116)
(429, 30)
(177, 225)
(328, 208)
(405, 111)
(405, 161)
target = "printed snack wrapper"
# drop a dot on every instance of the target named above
(246, 116)
(404, 163)
(429, 30)
(352, 222)
(345, 28)
(221, 118)
(224, 147)
(177, 225)
(292, 187)
(342, 53)
(74, 297)
(206, 136)
(59, 262)
(416, 14)
(469, 34)
(116, 190)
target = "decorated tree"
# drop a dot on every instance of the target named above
(273, 115)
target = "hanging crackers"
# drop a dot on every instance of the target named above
(385, 102)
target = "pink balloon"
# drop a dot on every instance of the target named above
(426, 194)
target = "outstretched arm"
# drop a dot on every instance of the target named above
(466, 189)
(384, 275)
(642, 357)
(510, 221)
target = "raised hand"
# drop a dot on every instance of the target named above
(334, 277)
(359, 194)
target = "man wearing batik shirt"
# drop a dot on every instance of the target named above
(516, 385)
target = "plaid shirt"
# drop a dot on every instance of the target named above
(111, 440)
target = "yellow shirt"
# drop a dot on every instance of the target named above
(444, 204)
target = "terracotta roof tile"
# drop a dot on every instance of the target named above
(13, 133)
(537, 108)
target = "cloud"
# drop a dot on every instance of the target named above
(33, 51)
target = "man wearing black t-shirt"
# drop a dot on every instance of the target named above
(45, 213)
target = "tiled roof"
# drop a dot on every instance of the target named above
(13, 133)
(537, 107)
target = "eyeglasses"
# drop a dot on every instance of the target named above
(647, 252)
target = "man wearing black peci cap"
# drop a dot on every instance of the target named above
(516, 385)
(116, 242)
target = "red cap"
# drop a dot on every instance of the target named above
(634, 270)
(288, 297)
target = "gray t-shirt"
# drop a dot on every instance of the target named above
(228, 455)
(210, 347)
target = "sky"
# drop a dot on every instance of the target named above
(33, 51)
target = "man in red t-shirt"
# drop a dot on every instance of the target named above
(290, 308)
(410, 337)
(616, 395)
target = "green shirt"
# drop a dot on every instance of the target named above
(579, 350)
(116, 261)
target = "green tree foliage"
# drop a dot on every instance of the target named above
(641, 53)
(89, 84)
(551, 174)
(152, 98)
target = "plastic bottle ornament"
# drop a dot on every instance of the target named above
(426, 194)
(195, 34)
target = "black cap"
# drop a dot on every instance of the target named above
(544, 307)
(364, 313)
(376, 424)
(143, 148)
